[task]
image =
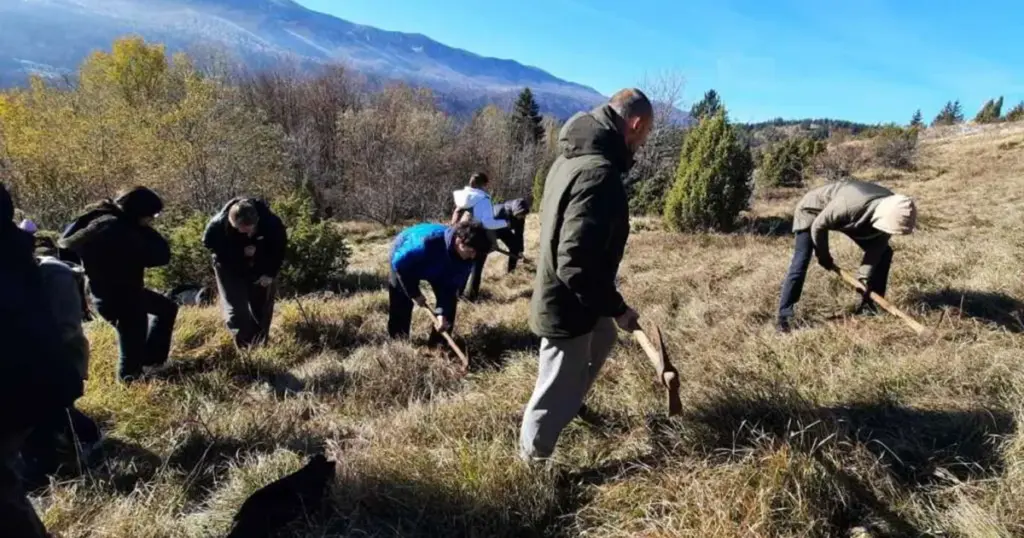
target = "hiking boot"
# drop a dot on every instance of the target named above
(588, 416)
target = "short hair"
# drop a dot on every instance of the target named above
(243, 213)
(631, 103)
(478, 179)
(473, 235)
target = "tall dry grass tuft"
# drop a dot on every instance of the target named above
(848, 427)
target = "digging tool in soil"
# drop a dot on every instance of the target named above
(667, 374)
(881, 301)
(463, 358)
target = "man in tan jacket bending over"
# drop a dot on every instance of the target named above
(868, 213)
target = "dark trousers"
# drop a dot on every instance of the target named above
(18, 518)
(793, 285)
(144, 329)
(400, 308)
(512, 238)
(248, 308)
(55, 438)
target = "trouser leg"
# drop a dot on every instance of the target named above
(793, 285)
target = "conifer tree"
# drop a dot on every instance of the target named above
(1016, 113)
(526, 120)
(708, 106)
(713, 181)
(916, 120)
(951, 114)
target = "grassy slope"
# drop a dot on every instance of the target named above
(848, 423)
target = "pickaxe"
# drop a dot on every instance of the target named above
(463, 358)
(880, 301)
(667, 374)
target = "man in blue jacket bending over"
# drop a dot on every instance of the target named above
(441, 255)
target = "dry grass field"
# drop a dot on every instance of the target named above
(848, 427)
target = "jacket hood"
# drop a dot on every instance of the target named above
(140, 202)
(895, 215)
(468, 197)
(596, 133)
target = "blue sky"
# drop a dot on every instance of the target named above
(861, 60)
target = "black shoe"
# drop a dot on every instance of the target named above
(783, 325)
(588, 417)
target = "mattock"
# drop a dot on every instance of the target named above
(463, 358)
(881, 301)
(667, 374)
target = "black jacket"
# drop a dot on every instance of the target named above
(116, 251)
(584, 228)
(228, 245)
(37, 376)
(511, 209)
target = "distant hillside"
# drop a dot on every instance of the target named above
(767, 132)
(51, 37)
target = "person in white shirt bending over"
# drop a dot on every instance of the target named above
(474, 202)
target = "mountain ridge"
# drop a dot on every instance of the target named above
(35, 34)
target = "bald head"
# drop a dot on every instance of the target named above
(636, 110)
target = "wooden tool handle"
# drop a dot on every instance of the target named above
(881, 301)
(463, 358)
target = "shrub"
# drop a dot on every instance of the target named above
(840, 161)
(895, 147)
(191, 262)
(785, 164)
(713, 181)
(317, 253)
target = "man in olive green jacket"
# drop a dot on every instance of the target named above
(584, 227)
(866, 212)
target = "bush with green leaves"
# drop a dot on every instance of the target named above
(713, 182)
(317, 253)
(895, 147)
(785, 164)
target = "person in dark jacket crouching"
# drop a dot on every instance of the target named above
(248, 243)
(37, 380)
(116, 243)
(513, 213)
(441, 255)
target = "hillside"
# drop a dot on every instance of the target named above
(848, 423)
(53, 36)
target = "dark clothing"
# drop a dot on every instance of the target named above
(36, 378)
(116, 251)
(400, 308)
(427, 252)
(584, 228)
(144, 330)
(793, 285)
(511, 210)
(512, 238)
(17, 515)
(248, 308)
(228, 244)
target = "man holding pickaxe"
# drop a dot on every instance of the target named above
(584, 226)
(441, 255)
(867, 213)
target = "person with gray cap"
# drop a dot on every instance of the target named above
(867, 213)
(117, 243)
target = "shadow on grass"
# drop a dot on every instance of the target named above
(206, 459)
(915, 448)
(329, 334)
(489, 346)
(988, 307)
(241, 372)
(767, 226)
(122, 466)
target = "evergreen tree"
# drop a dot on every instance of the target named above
(1016, 113)
(991, 112)
(526, 120)
(951, 114)
(916, 121)
(708, 106)
(713, 181)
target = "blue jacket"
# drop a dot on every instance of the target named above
(425, 252)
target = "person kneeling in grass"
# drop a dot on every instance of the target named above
(248, 243)
(867, 213)
(441, 255)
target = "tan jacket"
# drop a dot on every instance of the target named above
(845, 206)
